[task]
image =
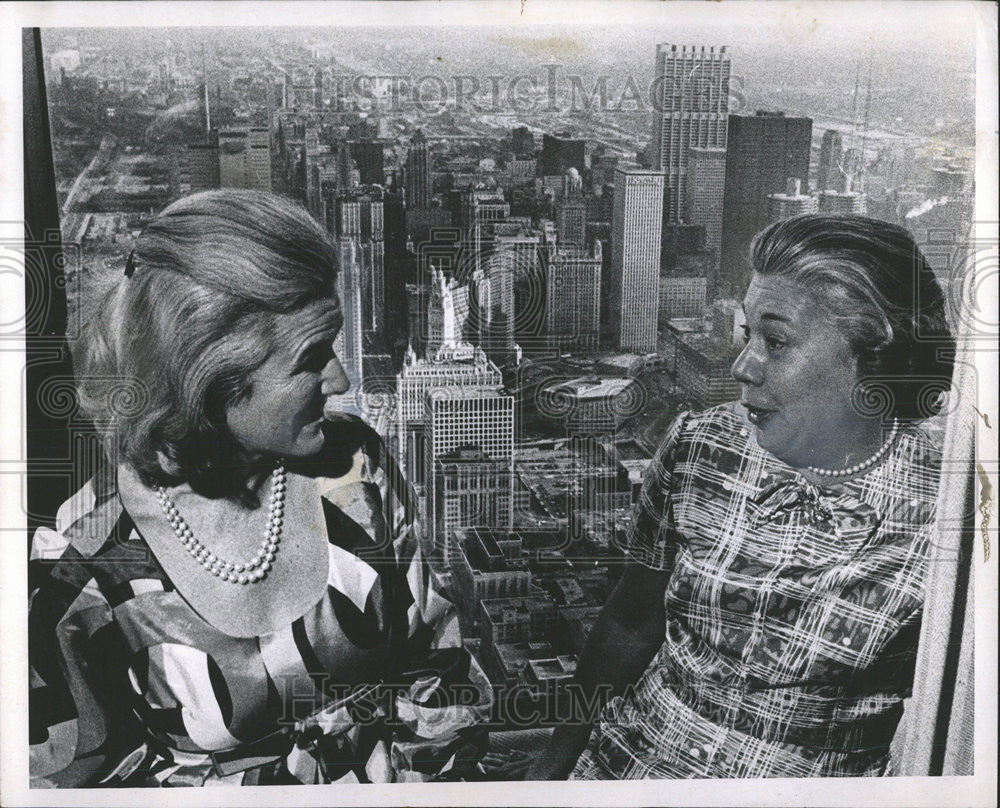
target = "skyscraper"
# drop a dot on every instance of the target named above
(455, 417)
(571, 220)
(472, 490)
(447, 312)
(705, 191)
(200, 166)
(245, 158)
(493, 305)
(559, 153)
(418, 173)
(370, 160)
(463, 366)
(829, 176)
(318, 88)
(259, 158)
(350, 339)
(691, 88)
(573, 297)
(637, 223)
(764, 150)
(359, 220)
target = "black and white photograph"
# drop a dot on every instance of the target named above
(452, 403)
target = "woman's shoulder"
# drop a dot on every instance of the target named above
(723, 420)
(915, 464)
(91, 546)
(724, 427)
(84, 522)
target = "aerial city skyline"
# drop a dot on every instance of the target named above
(536, 275)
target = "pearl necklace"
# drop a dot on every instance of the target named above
(864, 464)
(249, 572)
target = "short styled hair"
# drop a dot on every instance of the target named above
(876, 285)
(184, 330)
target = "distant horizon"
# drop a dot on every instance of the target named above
(909, 88)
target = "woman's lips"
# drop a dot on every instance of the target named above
(758, 415)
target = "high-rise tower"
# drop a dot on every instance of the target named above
(573, 297)
(764, 150)
(829, 176)
(418, 173)
(461, 416)
(637, 224)
(705, 192)
(691, 88)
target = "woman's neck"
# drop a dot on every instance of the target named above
(851, 446)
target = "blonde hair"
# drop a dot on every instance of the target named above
(188, 326)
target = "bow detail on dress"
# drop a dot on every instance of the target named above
(785, 492)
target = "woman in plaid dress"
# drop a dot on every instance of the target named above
(766, 624)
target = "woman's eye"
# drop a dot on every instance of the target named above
(315, 363)
(774, 344)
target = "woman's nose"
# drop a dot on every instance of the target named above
(747, 367)
(335, 380)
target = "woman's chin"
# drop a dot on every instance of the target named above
(308, 442)
(312, 435)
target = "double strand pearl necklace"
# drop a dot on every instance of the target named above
(249, 572)
(864, 464)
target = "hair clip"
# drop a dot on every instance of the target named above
(130, 264)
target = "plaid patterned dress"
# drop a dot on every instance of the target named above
(793, 611)
(369, 685)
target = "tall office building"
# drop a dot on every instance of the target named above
(705, 191)
(571, 219)
(492, 303)
(245, 158)
(399, 264)
(829, 176)
(764, 150)
(602, 169)
(573, 297)
(349, 343)
(259, 158)
(682, 297)
(463, 366)
(232, 158)
(455, 417)
(479, 207)
(200, 167)
(691, 87)
(318, 88)
(633, 285)
(418, 173)
(370, 161)
(522, 142)
(791, 203)
(472, 490)
(358, 219)
(852, 169)
(560, 152)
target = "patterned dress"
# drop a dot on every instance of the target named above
(371, 684)
(793, 611)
